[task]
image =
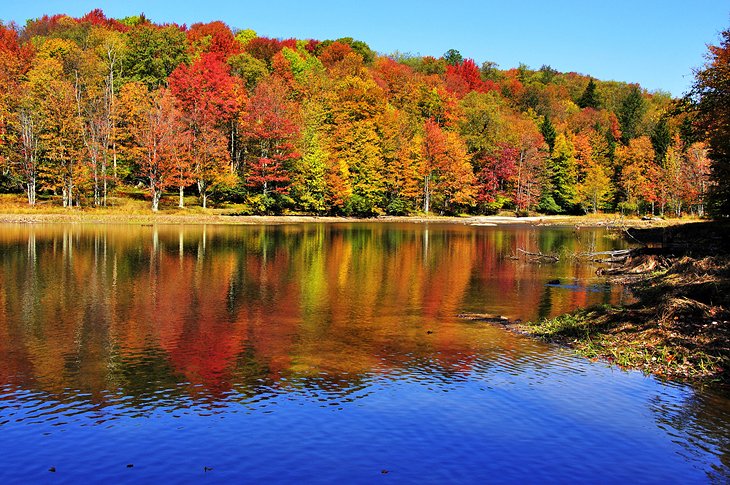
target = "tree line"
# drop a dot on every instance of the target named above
(92, 107)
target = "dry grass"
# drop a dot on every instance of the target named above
(679, 327)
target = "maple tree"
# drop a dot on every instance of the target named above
(639, 173)
(156, 131)
(269, 129)
(448, 178)
(207, 95)
(593, 174)
(213, 37)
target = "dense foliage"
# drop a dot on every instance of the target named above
(711, 102)
(91, 107)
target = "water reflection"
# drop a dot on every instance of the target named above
(104, 323)
(100, 307)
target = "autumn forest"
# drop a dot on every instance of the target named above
(94, 109)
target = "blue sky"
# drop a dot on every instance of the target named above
(653, 42)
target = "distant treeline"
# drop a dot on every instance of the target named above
(91, 106)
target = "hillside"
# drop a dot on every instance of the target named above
(94, 107)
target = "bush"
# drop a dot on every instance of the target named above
(548, 205)
(397, 207)
(360, 206)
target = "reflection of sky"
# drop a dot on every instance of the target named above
(497, 422)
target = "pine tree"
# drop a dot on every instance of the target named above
(548, 133)
(589, 98)
(630, 112)
(661, 138)
(561, 171)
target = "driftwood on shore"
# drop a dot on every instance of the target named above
(485, 317)
(640, 261)
(617, 256)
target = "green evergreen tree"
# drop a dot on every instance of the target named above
(630, 112)
(453, 57)
(547, 74)
(589, 98)
(661, 138)
(561, 171)
(548, 132)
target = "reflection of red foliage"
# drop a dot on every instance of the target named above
(305, 300)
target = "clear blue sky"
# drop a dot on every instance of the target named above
(654, 42)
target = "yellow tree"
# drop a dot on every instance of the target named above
(61, 135)
(448, 179)
(401, 161)
(639, 175)
(593, 188)
(356, 161)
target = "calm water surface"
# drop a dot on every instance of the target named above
(322, 353)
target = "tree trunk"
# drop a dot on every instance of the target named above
(31, 191)
(182, 200)
(427, 195)
(156, 194)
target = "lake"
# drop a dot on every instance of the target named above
(323, 353)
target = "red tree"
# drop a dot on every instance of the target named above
(495, 171)
(264, 49)
(207, 94)
(96, 17)
(205, 89)
(216, 37)
(334, 53)
(269, 128)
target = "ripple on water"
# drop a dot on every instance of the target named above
(322, 355)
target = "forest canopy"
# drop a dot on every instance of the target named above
(93, 108)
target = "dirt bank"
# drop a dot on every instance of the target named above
(679, 326)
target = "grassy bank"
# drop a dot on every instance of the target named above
(679, 326)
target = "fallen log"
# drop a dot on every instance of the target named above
(548, 258)
(484, 317)
(615, 253)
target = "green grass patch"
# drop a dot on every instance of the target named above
(634, 339)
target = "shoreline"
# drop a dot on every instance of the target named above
(679, 326)
(220, 217)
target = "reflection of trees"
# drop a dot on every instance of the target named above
(210, 309)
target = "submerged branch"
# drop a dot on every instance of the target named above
(539, 257)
